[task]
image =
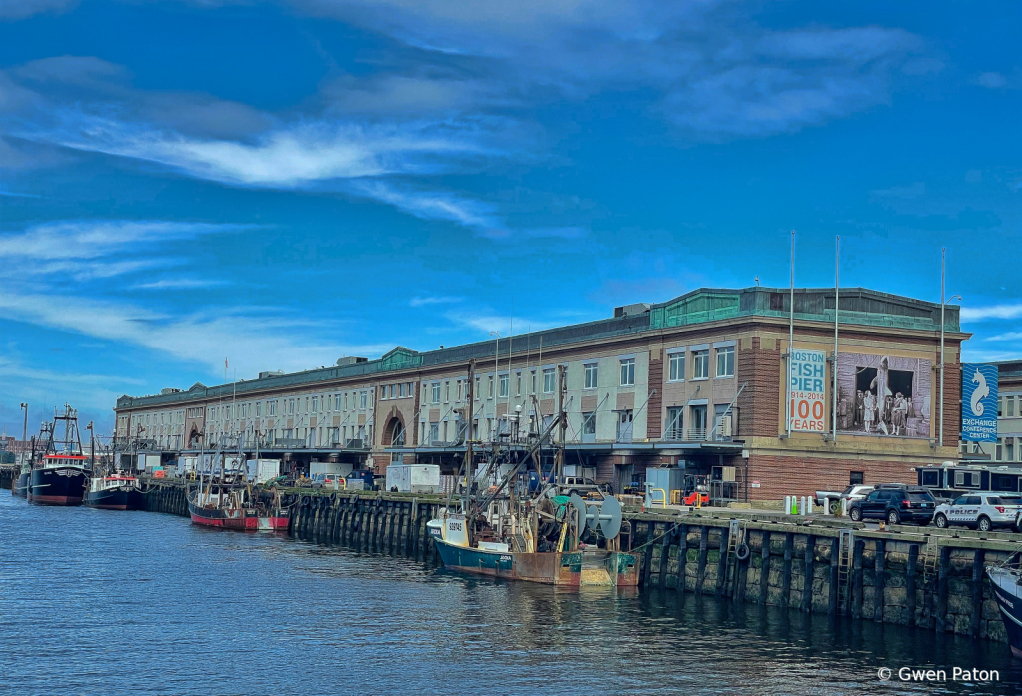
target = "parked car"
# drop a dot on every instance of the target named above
(581, 485)
(857, 491)
(333, 481)
(983, 511)
(895, 503)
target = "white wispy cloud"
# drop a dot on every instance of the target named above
(205, 338)
(92, 239)
(486, 322)
(1002, 311)
(181, 284)
(424, 301)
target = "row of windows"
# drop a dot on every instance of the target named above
(397, 391)
(701, 364)
(437, 390)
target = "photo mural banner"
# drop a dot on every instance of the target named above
(883, 395)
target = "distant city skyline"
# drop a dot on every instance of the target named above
(281, 184)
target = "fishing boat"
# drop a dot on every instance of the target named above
(1007, 585)
(506, 531)
(19, 485)
(236, 506)
(61, 475)
(117, 491)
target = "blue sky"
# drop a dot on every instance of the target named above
(288, 182)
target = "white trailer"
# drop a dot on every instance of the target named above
(262, 470)
(215, 464)
(413, 478)
(187, 465)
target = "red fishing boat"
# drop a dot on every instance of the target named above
(236, 506)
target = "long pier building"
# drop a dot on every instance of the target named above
(700, 381)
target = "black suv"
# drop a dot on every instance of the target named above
(895, 503)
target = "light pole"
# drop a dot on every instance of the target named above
(24, 430)
(943, 304)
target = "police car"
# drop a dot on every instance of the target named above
(984, 511)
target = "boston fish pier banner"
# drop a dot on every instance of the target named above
(806, 407)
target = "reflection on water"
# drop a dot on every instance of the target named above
(102, 602)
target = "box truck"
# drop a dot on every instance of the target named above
(413, 478)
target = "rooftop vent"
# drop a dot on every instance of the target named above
(351, 360)
(631, 310)
(271, 373)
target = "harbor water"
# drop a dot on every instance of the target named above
(102, 602)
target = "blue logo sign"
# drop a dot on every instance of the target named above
(979, 402)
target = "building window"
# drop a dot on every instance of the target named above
(533, 389)
(518, 384)
(628, 372)
(460, 386)
(589, 423)
(1010, 403)
(478, 393)
(447, 395)
(856, 478)
(677, 370)
(363, 400)
(1009, 449)
(291, 407)
(592, 376)
(504, 379)
(436, 392)
(489, 390)
(726, 361)
(401, 389)
(548, 381)
(315, 405)
(673, 431)
(434, 432)
(700, 364)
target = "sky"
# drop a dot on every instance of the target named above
(280, 184)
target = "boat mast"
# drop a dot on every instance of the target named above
(561, 426)
(469, 469)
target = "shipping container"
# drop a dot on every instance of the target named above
(413, 478)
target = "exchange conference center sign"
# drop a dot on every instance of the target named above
(979, 403)
(808, 383)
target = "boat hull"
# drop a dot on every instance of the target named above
(240, 519)
(128, 498)
(1007, 586)
(19, 486)
(551, 568)
(60, 485)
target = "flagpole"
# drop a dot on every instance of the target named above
(791, 339)
(941, 424)
(837, 308)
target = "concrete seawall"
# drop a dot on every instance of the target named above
(922, 577)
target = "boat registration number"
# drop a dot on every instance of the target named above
(454, 526)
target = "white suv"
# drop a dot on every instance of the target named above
(984, 511)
